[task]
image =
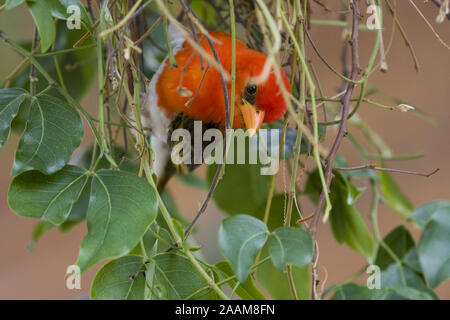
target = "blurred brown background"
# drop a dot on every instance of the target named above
(39, 274)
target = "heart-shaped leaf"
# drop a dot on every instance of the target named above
(10, 101)
(49, 197)
(53, 131)
(240, 239)
(120, 279)
(290, 245)
(121, 208)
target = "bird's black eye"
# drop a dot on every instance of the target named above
(251, 89)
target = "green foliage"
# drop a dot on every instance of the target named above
(393, 196)
(43, 18)
(48, 197)
(251, 193)
(174, 277)
(53, 131)
(346, 222)
(240, 238)
(120, 279)
(111, 232)
(290, 245)
(246, 290)
(10, 101)
(109, 184)
(276, 283)
(401, 244)
(433, 249)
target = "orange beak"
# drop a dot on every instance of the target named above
(252, 118)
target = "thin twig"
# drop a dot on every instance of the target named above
(372, 166)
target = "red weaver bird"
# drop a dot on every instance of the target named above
(165, 104)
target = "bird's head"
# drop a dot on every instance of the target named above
(257, 100)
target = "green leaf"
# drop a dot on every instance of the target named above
(348, 226)
(425, 213)
(346, 222)
(205, 11)
(120, 279)
(121, 208)
(353, 291)
(54, 130)
(117, 153)
(405, 293)
(20, 121)
(398, 282)
(405, 282)
(246, 290)
(242, 188)
(400, 242)
(240, 238)
(290, 245)
(175, 278)
(10, 4)
(277, 284)
(155, 240)
(49, 197)
(42, 14)
(76, 215)
(10, 101)
(148, 243)
(433, 248)
(393, 196)
(353, 192)
(79, 209)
